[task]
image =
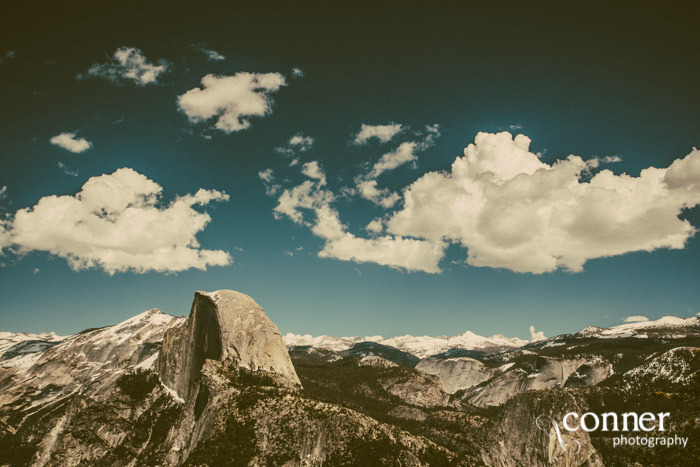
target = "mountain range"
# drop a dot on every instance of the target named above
(224, 387)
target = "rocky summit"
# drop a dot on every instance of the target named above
(221, 388)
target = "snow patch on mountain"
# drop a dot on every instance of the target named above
(420, 346)
(633, 329)
(10, 339)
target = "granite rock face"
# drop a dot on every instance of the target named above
(224, 326)
(456, 373)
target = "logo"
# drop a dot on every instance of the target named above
(646, 423)
(544, 422)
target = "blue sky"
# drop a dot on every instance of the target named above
(616, 83)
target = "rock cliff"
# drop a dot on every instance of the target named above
(225, 326)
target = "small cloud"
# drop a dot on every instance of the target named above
(67, 170)
(289, 253)
(268, 179)
(35, 271)
(3, 192)
(313, 170)
(612, 159)
(300, 142)
(238, 248)
(536, 335)
(297, 143)
(298, 72)
(230, 101)
(635, 319)
(69, 142)
(128, 64)
(515, 126)
(210, 54)
(384, 133)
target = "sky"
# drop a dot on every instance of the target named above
(358, 169)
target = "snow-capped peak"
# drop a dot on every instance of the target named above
(629, 329)
(420, 346)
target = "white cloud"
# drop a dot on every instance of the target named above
(3, 192)
(268, 179)
(67, 170)
(298, 72)
(635, 319)
(404, 153)
(129, 64)
(375, 226)
(507, 208)
(300, 142)
(313, 170)
(536, 335)
(612, 159)
(368, 190)
(69, 142)
(116, 222)
(384, 133)
(511, 210)
(231, 100)
(393, 251)
(210, 54)
(297, 143)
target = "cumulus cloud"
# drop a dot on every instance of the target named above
(70, 142)
(128, 65)
(511, 210)
(298, 72)
(3, 192)
(508, 209)
(117, 223)
(635, 319)
(310, 204)
(67, 170)
(383, 133)
(231, 100)
(210, 54)
(536, 335)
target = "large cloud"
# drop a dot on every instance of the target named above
(388, 250)
(129, 65)
(231, 100)
(117, 223)
(70, 142)
(511, 210)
